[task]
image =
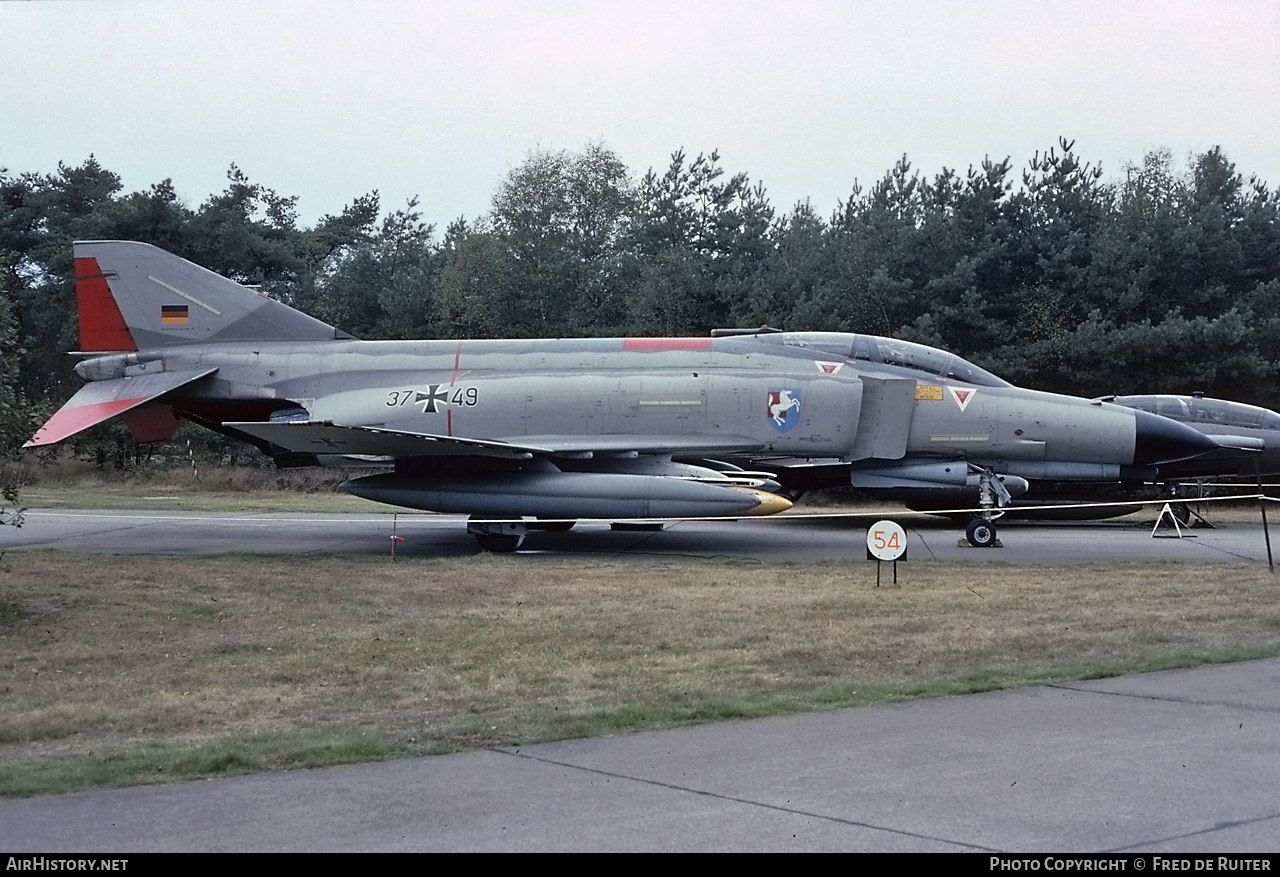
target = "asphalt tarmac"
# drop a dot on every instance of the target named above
(1179, 761)
(764, 540)
(1170, 762)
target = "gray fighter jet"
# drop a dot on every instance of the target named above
(1248, 436)
(523, 434)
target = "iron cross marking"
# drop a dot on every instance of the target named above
(433, 395)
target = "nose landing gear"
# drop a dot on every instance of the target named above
(993, 496)
(981, 533)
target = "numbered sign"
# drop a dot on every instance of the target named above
(886, 541)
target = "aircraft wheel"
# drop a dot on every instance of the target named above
(981, 533)
(553, 526)
(499, 543)
(1182, 512)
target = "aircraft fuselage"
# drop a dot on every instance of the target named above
(789, 401)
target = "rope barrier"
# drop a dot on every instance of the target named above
(880, 513)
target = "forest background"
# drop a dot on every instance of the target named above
(1165, 278)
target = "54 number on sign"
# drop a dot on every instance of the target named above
(886, 541)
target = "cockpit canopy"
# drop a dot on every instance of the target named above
(916, 358)
(1196, 409)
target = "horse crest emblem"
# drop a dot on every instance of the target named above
(784, 409)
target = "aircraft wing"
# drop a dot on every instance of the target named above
(324, 437)
(101, 400)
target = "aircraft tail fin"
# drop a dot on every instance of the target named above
(133, 296)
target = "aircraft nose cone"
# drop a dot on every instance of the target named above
(1161, 440)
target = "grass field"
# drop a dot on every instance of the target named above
(125, 670)
(219, 489)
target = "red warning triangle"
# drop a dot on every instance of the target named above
(962, 395)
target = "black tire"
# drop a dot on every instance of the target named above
(1181, 512)
(499, 543)
(981, 533)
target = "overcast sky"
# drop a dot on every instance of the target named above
(330, 100)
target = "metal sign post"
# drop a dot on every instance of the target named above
(1262, 505)
(886, 541)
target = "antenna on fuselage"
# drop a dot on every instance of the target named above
(729, 333)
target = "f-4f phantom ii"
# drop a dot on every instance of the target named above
(513, 431)
(1248, 436)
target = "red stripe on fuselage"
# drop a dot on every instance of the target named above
(448, 411)
(102, 326)
(666, 343)
(69, 421)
